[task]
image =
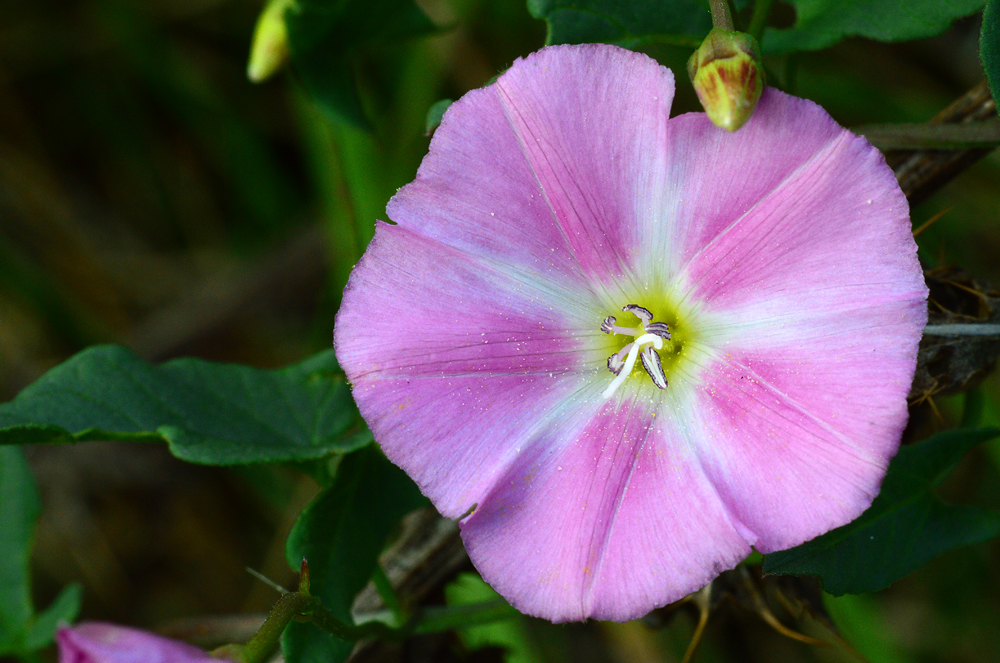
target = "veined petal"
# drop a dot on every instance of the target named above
(455, 362)
(608, 520)
(548, 166)
(850, 370)
(713, 177)
(791, 464)
(803, 422)
(805, 242)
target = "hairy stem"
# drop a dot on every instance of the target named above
(266, 639)
(721, 16)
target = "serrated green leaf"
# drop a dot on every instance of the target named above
(19, 509)
(216, 414)
(822, 23)
(905, 527)
(324, 36)
(989, 46)
(63, 610)
(625, 23)
(341, 535)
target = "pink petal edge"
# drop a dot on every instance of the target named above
(100, 642)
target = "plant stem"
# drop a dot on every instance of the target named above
(721, 17)
(431, 620)
(266, 639)
(758, 21)
(296, 604)
(324, 619)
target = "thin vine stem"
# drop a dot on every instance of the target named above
(303, 607)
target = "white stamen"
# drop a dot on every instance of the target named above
(630, 361)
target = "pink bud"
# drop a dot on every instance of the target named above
(98, 642)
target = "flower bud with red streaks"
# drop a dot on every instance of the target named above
(727, 74)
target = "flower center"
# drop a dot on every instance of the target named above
(650, 339)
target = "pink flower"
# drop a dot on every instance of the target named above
(97, 642)
(767, 278)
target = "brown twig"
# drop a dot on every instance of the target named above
(922, 172)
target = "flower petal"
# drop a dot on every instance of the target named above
(546, 166)
(819, 227)
(609, 520)
(98, 642)
(796, 448)
(780, 257)
(803, 267)
(454, 362)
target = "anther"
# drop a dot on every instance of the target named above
(660, 329)
(609, 327)
(651, 362)
(639, 312)
(650, 334)
(617, 360)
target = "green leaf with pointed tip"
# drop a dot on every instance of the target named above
(435, 113)
(341, 535)
(989, 46)
(19, 509)
(512, 635)
(627, 23)
(822, 23)
(215, 414)
(64, 609)
(325, 35)
(905, 527)
(22, 631)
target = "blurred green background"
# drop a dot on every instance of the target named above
(151, 196)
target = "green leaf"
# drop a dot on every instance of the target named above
(905, 527)
(511, 635)
(626, 23)
(341, 535)
(19, 509)
(217, 414)
(822, 23)
(21, 631)
(989, 46)
(325, 36)
(63, 610)
(435, 113)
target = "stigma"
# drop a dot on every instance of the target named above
(649, 339)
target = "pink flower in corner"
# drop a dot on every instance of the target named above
(635, 346)
(97, 642)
